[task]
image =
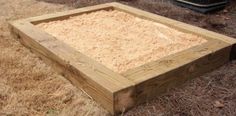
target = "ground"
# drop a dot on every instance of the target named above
(28, 86)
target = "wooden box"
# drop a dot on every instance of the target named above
(119, 92)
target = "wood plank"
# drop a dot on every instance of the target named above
(101, 83)
(174, 61)
(174, 23)
(67, 14)
(153, 79)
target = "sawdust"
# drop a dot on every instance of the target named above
(119, 40)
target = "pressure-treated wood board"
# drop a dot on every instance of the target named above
(118, 92)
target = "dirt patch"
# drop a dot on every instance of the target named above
(119, 40)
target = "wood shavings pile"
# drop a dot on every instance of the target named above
(119, 40)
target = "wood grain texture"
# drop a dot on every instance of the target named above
(100, 82)
(174, 61)
(155, 78)
(119, 92)
(174, 23)
(67, 14)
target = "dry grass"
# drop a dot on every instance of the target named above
(198, 97)
(27, 84)
(30, 87)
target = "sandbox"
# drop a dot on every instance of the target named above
(122, 56)
(119, 40)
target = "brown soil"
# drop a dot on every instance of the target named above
(30, 87)
(119, 40)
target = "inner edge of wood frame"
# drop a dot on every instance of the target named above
(67, 14)
(208, 35)
(142, 14)
(170, 63)
(23, 22)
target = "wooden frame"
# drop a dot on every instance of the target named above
(119, 92)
